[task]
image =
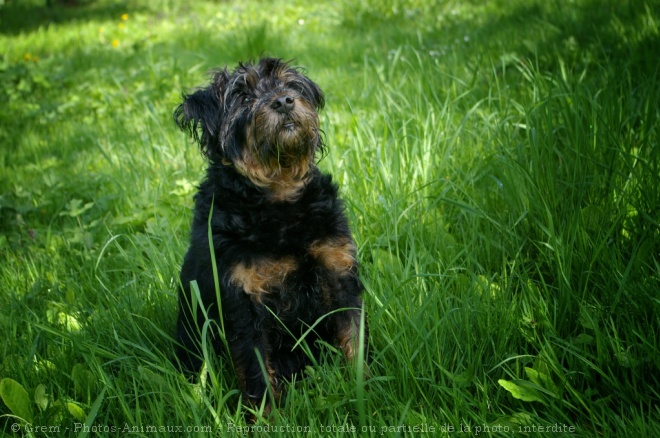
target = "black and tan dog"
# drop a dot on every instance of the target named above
(268, 227)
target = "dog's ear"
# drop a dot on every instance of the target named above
(201, 113)
(314, 94)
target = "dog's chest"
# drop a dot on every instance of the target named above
(247, 225)
(280, 228)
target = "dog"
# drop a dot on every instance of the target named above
(271, 260)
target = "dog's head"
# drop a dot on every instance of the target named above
(262, 119)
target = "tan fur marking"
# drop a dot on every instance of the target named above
(274, 382)
(284, 183)
(262, 276)
(336, 255)
(347, 340)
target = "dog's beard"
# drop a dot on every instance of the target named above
(282, 140)
(280, 149)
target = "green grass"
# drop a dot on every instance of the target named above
(501, 168)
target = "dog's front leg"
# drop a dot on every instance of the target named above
(348, 325)
(249, 349)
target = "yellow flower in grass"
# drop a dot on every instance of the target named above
(124, 17)
(115, 43)
(27, 57)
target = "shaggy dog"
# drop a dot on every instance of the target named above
(271, 257)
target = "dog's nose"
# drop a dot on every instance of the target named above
(283, 104)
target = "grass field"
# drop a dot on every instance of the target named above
(501, 165)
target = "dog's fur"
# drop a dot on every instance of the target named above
(283, 252)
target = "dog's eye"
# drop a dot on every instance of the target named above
(247, 99)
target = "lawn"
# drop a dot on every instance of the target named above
(500, 163)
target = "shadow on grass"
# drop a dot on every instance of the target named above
(592, 32)
(24, 16)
